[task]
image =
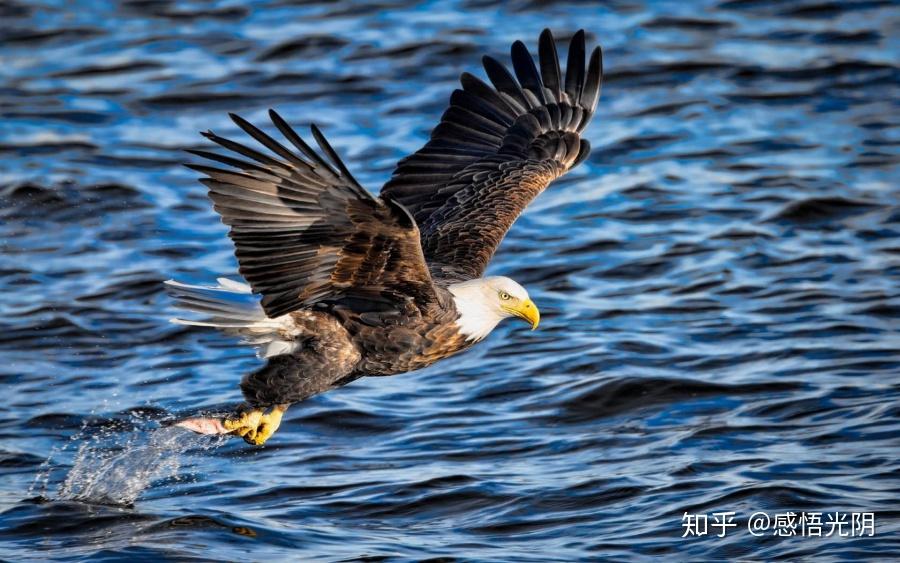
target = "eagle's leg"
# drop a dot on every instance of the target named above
(255, 426)
(320, 364)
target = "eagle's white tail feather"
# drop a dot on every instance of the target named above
(232, 308)
(221, 301)
(234, 286)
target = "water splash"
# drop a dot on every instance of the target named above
(115, 467)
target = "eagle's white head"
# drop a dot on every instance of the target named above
(484, 302)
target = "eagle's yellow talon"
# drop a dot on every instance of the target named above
(254, 426)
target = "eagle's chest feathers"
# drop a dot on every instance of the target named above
(478, 315)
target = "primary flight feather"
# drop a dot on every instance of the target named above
(343, 284)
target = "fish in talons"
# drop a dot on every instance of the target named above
(255, 426)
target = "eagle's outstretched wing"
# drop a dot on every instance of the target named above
(494, 151)
(305, 230)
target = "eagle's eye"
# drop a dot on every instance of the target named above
(504, 296)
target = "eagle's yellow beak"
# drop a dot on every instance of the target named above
(527, 311)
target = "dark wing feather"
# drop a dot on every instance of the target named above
(549, 60)
(575, 68)
(495, 149)
(526, 72)
(305, 230)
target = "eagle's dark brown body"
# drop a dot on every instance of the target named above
(338, 344)
(351, 284)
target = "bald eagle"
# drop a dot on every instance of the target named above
(343, 284)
